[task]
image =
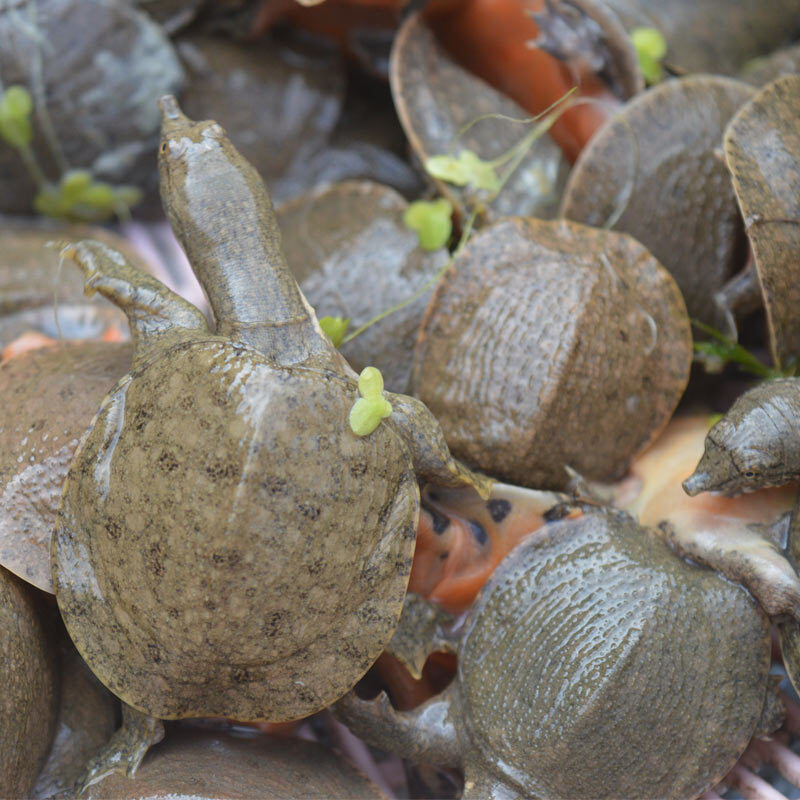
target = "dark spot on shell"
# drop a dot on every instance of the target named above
(240, 675)
(113, 529)
(167, 461)
(309, 512)
(275, 485)
(219, 471)
(443, 556)
(358, 470)
(272, 624)
(499, 509)
(155, 560)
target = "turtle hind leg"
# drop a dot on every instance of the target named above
(125, 749)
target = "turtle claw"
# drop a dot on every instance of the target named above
(125, 749)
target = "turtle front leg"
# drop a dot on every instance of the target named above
(153, 310)
(743, 555)
(432, 458)
(125, 749)
(739, 296)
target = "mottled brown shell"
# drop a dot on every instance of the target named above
(29, 689)
(47, 400)
(249, 578)
(762, 149)
(194, 765)
(597, 664)
(653, 172)
(551, 344)
(436, 98)
(354, 258)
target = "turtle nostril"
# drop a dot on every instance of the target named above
(696, 483)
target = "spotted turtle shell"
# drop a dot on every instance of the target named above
(597, 664)
(225, 544)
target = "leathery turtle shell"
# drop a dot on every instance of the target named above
(47, 398)
(627, 671)
(190, 608)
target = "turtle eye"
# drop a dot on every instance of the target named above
(750, 474)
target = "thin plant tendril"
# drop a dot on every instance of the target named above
(468, 225)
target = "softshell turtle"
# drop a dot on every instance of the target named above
(354, 258)
(552, 344)
(436, 99)
(29, 697)
(226, 544)
(47, 400)
(204, 765)
(762, 150)
(652, 172)
(755, 445)
(594, 664)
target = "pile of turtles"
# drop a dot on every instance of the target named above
(417, 469)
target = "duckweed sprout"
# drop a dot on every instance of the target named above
(335, 328)
(368, 411)
(651, 47)
(465, 169)
(16, 105)
(431, 221)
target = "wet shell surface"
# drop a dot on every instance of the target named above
(29, 694)
(195, 765)
(653, 172)
(163, 608)
(354, 258)
(551, 344)
(436, 98)
(596, 663)
(762, 149)
(47, 400)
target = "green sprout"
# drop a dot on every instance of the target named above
(726, 350)
(431, 221)
(368, 411)
(77, 196)
(335, 328)
(16, 106)
(465, 169)
(469, 169)
(651, 47)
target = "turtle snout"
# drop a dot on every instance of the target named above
(696, 483)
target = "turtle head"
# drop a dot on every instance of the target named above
(183, 143)
(734, 460)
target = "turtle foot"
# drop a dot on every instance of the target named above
(125, 749)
